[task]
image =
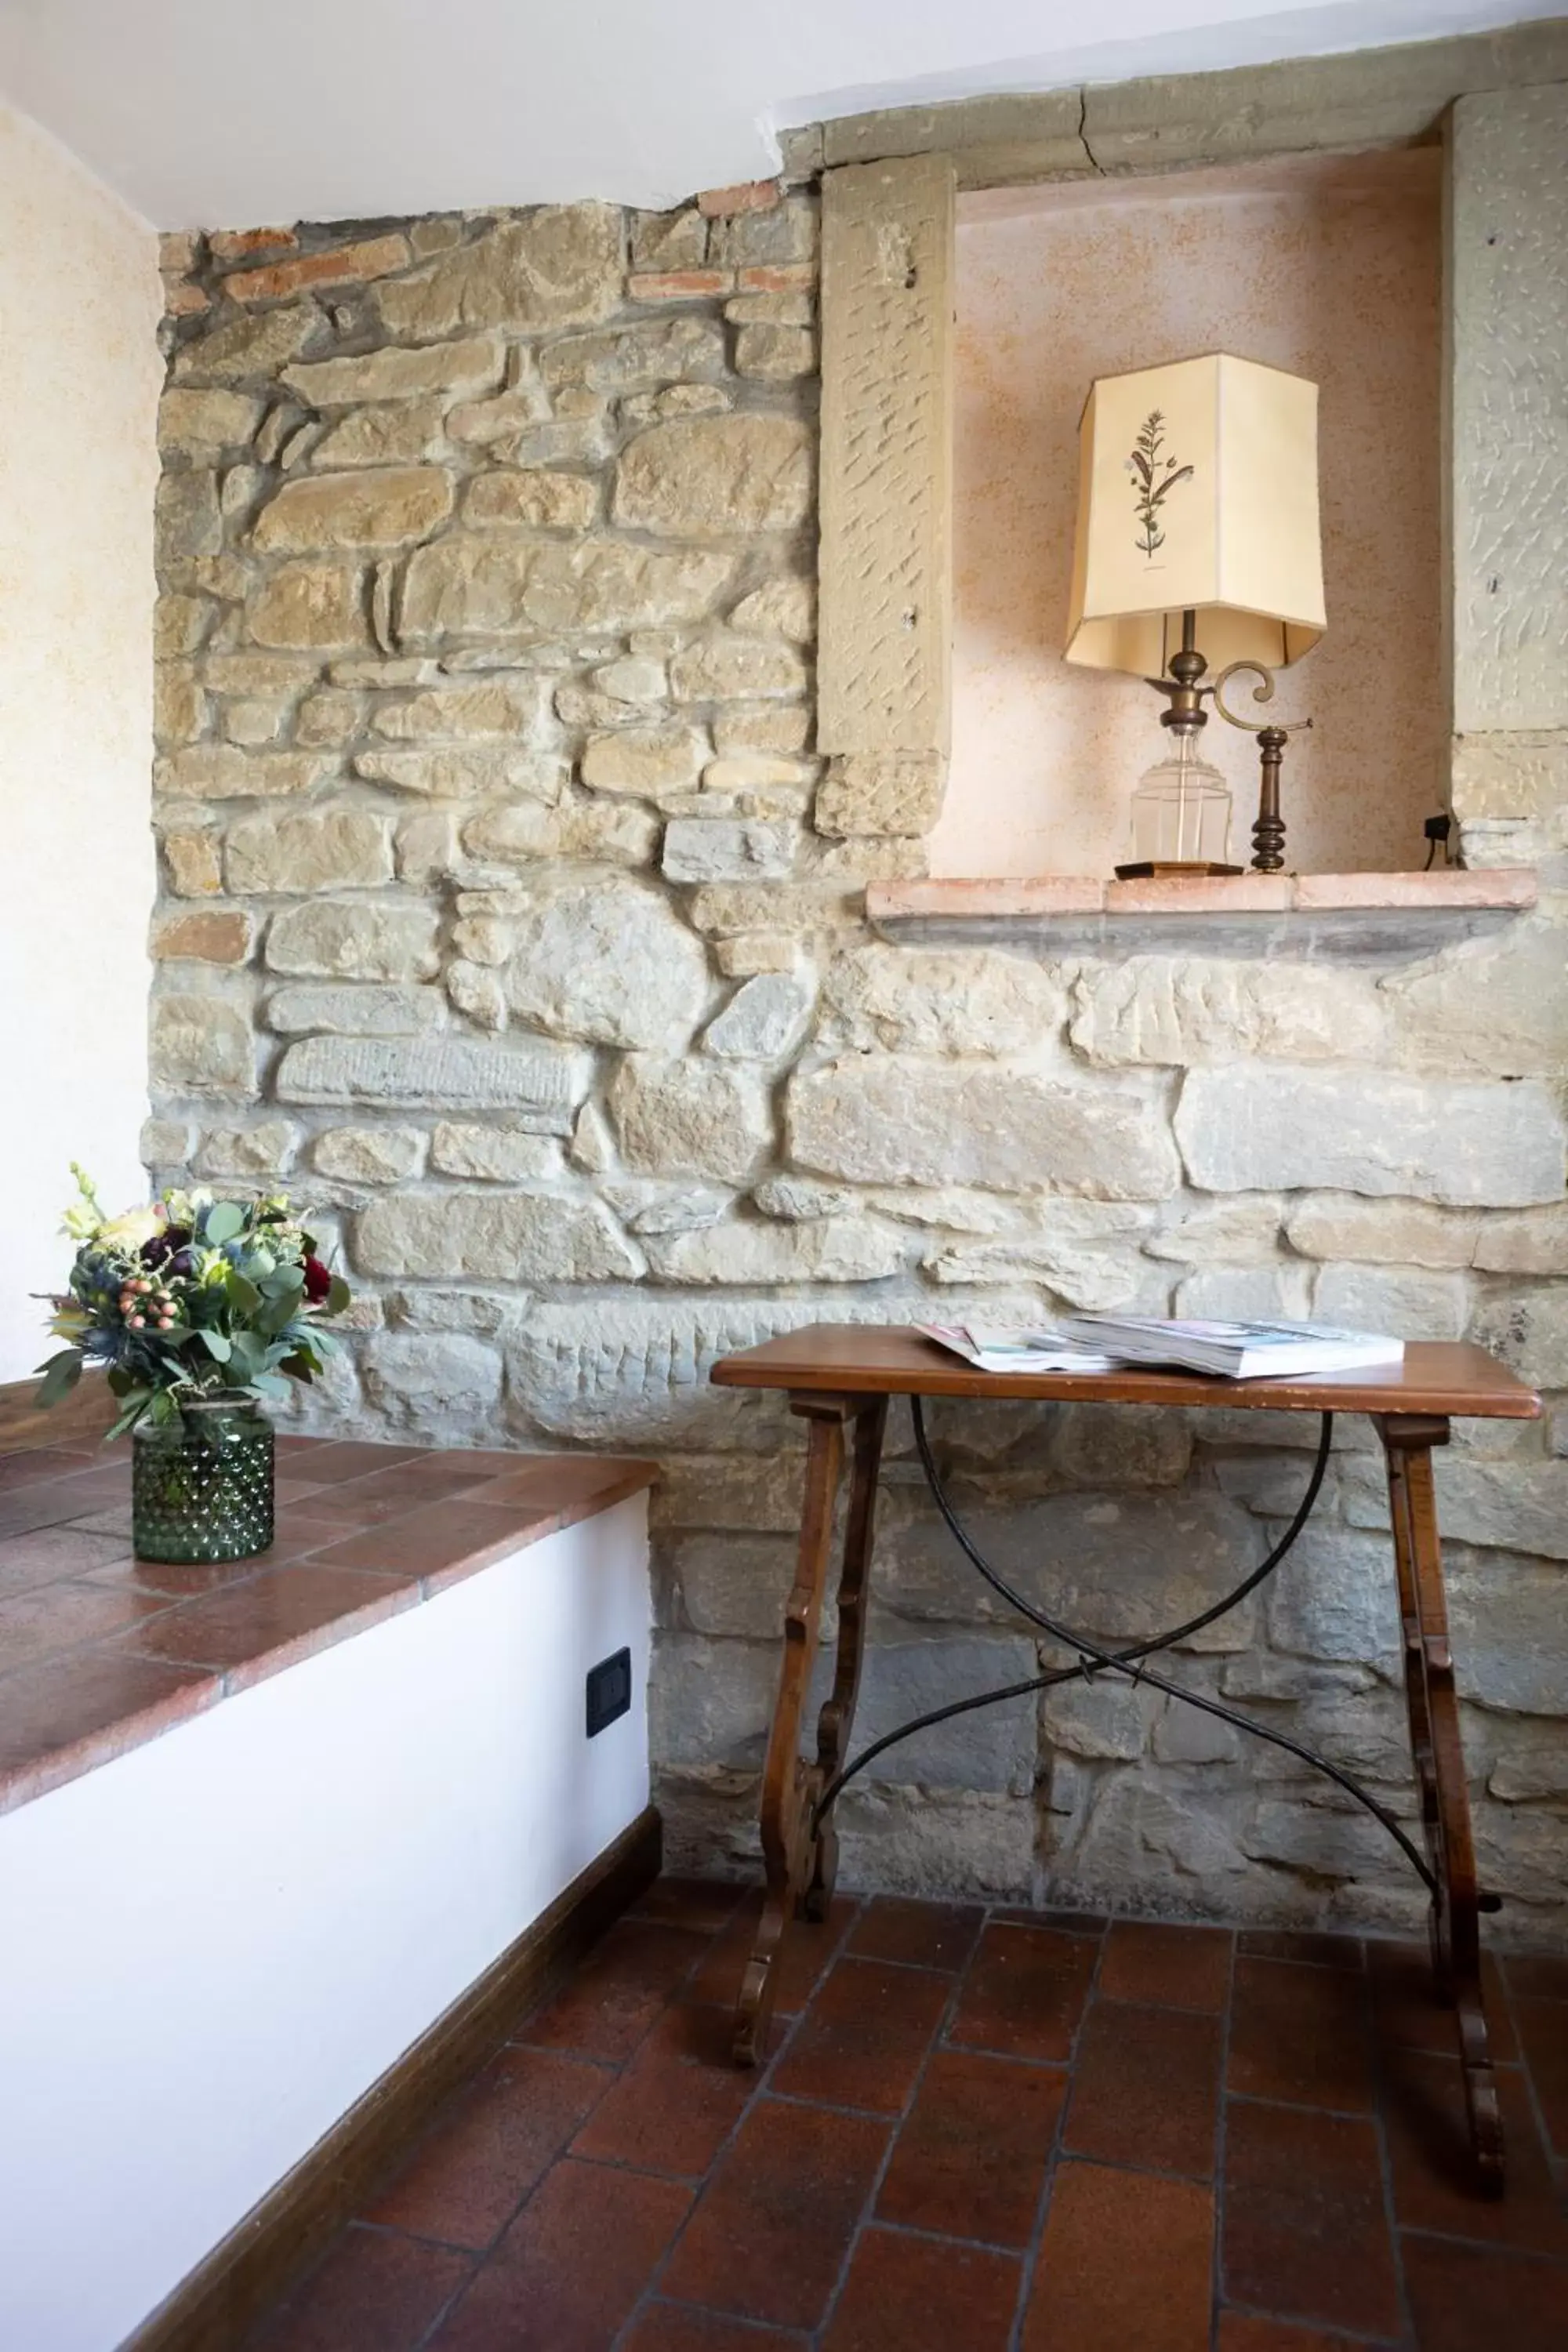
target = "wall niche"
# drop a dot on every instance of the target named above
(1329, 267)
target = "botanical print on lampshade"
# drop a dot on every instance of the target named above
(1197, 491)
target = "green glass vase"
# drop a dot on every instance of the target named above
(201, 1486)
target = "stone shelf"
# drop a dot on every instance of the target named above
(1356, 917)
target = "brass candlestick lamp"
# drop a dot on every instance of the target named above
(1198, 509)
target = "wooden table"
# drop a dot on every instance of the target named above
(839, 1377)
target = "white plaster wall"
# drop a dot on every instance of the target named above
(1328, 266)
(80, 377)
(212, 1946)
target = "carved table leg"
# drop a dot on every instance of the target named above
(836, 1720)
(1439, 1761)
(788, 1783)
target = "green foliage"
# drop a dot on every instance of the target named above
(191, 1301)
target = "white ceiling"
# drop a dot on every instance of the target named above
(210, 113)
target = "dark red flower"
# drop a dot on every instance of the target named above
(318, 1281)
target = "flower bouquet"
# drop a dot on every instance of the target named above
(202, 1310)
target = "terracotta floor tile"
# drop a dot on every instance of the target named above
(1300, 2034)
(39, 1624)
(863, 2038)
(681, 2327)
(552, 1480)
(1178, 1968)
(808, 1949)
(1126, 2260)
(1543, 1976)
(425, 1478)
(437, 1536)
(1067, 1923)
(1024, 1992)
(271, 1619)
(909, 2294)
(568, 2270)
(616, 1994)
(51, 1553)
(1146, 2088)
(970, 2159)
(1407, 2008)
(373, 2293)
(467, 2178)
(703, 1904)
(177, 1580)
(921, 1935)
(1301, 1944)
(1429, 2152)
(1470, 2299)
(771, 2231)
(119, 1520)
(677, 2103)
(1242, 2331)
(1543, 2030)
(1305, 2232)
(340, 1459)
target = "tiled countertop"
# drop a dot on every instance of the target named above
(99, 1651)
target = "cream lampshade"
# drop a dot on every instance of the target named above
(1199, 548)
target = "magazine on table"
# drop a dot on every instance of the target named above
(1237, 1351)
(1105, 1343)
(1006, 1348)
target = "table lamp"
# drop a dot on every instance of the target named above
(1198, 545)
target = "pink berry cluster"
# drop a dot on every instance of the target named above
(146, 1306)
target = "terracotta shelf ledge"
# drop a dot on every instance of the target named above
(1351, 916)
(100, 1651)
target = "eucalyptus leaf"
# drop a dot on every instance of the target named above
(243, 1295)
(224, 1220)
(339, 1296)
(216, 1344)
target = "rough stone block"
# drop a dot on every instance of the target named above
(355, 1011)
(551, 266)
(200, 1044)
(763, 1021)
(1532, 1241)
(265, 1149)
(465, 772)
(881, 794)
(259, 348)
(606, 961)
(1334, 1597)
(851, 1249)
(1388, 1231)
(734, 1585)
(532, 497)
(1528, 1329)
(400, 432)
(726, 849)
(716, 478)
(901, 1000)
(650, 761)
(1253, 1127)
(310, 605)
(449, 1074)
(355, 939)
(437, 1386)
(1404, 1305)
(613, 1372)
(638, 359)
(521, 1236)
(189, 521)
(1103, 1718)
(775, 353)
(1507, 1506)
(613, 833)
(504, 586)
(385, 505)
(887, 1122)
(369, 1155)
(737, 669)
(1165, 1010)
(215, 935)
(465, 367)
(335, 849)
(215, 771)
(498, 1155)
(1492, 1007)
(690, 1118)
(205, 423)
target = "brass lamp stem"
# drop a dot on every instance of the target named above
(1268, 832)
(1185, 713)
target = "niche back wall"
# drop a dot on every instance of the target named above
(1328, 266)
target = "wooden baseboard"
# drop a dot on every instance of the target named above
(263, 2256)
(78, 1418)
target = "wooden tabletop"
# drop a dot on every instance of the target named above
(1443, 1377)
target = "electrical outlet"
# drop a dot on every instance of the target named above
(610, 1691)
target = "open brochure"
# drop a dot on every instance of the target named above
(994, 1347)
(1102, 1343)
(1237, 1351)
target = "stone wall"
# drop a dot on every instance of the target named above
(494, 917)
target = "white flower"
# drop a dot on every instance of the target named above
(131, 1229)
